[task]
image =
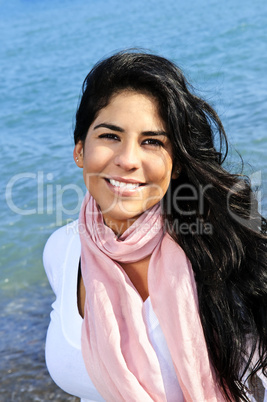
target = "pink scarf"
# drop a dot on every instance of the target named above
(116, 349)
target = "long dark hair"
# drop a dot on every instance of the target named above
(210, 212)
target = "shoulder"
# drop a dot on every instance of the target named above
(56, 251)
(60, 239)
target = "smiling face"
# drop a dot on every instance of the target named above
(126, 158)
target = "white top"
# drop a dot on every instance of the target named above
(63, 343)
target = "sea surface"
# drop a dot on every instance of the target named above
(46, 49)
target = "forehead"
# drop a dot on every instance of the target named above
(130, 102)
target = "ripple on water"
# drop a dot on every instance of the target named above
(23, 325)
(47, 49)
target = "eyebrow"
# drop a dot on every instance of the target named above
(110, 127)
(121, 130)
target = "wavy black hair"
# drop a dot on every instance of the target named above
(224, 236)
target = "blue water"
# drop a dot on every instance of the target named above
(47, 48)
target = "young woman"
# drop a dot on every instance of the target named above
(161, 285)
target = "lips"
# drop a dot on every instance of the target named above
(124, 186)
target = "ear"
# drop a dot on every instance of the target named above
(176, 172)
(78, 154)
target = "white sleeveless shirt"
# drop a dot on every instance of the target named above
(63, 343)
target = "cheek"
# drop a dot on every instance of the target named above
(161, 169)
(96, 159)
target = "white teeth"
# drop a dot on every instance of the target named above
(120, 184)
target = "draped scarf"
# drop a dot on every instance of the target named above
(116, 349)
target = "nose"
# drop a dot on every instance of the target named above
(128, 157)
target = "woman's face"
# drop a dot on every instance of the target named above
(126, 158)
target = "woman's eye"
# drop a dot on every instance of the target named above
(153, 141)
(109, 136)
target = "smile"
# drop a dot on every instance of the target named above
(123, 185)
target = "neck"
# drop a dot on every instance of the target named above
(117, 226)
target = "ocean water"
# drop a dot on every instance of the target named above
(47, 48)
